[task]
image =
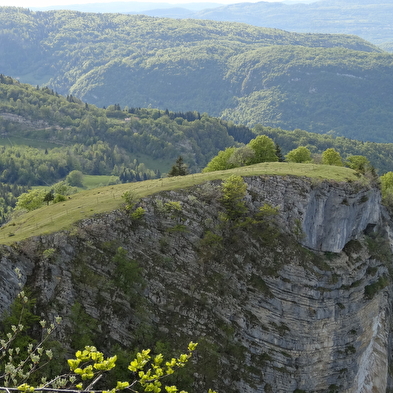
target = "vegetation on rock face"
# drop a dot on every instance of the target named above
(24, 362)
(387, 188)
(233, 193)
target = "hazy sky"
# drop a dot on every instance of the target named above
(43, 3)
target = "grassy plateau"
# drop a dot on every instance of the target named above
(63, 215)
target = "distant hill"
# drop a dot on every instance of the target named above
(127, 7)
(369, 19)
(321, 83)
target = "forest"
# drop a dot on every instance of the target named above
(249, 75)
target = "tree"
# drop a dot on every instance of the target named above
(75, 178)
(331, 157)
(264, 148)
(233, 193)
(241, 156)
(359, 163)
(387, 184)
(49, 196)
(179, 169)
(30, 200)
(221, 161)
(279, 153)
(63, 188)
(299, 155)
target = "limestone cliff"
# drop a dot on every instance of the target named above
(296, 303)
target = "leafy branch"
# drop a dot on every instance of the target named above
(85, 370)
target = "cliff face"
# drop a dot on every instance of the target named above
(299, 301)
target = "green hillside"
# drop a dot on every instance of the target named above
(44, 136)
(320, 83)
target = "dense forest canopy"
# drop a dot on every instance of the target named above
(72, 135)
(245, 74)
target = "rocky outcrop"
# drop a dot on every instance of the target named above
(14, 118)
(328, 214)
(296, 302)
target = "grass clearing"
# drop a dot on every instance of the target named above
(94, 181)
(21, 141)
(62, 215)
(154, 163)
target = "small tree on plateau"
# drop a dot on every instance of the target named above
(264, 148)
(221, 161)
(331, 157)
(30, 200)
(179, 169)
(299, 155)
(359, 163)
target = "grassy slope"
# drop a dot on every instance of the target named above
(99, 200)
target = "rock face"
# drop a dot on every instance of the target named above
(329, 214)
(300, 301)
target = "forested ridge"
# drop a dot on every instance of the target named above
(368, 19)
(75, 135)
(45, 136)
(251, 75)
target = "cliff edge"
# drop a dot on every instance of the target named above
(298, 301)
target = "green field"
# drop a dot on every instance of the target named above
(61, 216)
(93, 181)
(21, 141)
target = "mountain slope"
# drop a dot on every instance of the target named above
(331, 90)
(140, 61)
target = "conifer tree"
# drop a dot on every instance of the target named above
(179, 169)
